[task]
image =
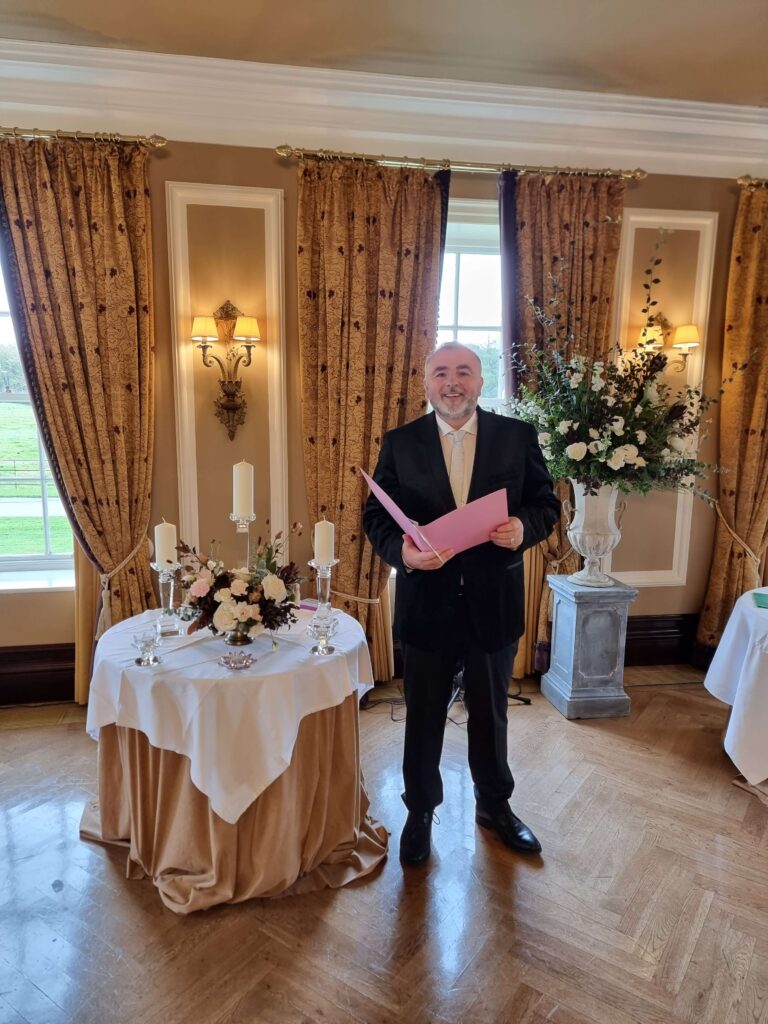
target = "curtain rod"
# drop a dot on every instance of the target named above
(291, 152)
(154, 141)
(748, 182)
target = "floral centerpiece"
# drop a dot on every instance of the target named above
(242, 603)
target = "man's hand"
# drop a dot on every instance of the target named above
(509, 535)
(415, 559)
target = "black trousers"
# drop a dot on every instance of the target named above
(427, 683)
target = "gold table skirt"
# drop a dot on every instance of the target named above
(310, 829)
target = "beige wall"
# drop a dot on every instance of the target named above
(227, 261)
(216, 279)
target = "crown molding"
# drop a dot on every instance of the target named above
(198, 99)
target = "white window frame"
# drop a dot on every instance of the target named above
(473, 228)
(48, 562)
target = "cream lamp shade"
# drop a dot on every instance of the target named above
(651, 337)
(686, 337)
(204, 329)
(247, 329)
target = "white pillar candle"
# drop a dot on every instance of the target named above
(165, 543)
(242, 490)
(324, 542)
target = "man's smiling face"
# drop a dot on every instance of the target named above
(452, 382)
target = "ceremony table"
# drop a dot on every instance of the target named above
(738, 675)
(226, 785)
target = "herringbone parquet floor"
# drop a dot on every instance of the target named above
(649, 905)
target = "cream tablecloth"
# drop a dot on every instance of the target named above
(738, 676)
(276, 748)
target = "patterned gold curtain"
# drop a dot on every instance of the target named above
(741, 538)
(369, 252)
(75, 221)
(568, 226)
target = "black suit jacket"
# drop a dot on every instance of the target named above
(411, 469)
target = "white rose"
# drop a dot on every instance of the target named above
(576, 451)
(224, 594)
(641, 436)
(224, 618)
(243, 574)
(617, 426)
(640, 461)
(544, 439)
(575, 380)
(564, 426)
(630, 453)
(274, 588)
(616, 460)
(594, 447)
(594, 433)
(243, 611)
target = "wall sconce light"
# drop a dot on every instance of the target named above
(228, 326)
(686, 340)
(651, 337)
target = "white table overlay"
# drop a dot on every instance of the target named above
(738, 675)
(238, 728)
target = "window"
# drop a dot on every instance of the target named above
(470, 292)
(35, 537)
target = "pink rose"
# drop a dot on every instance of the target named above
(199, 588)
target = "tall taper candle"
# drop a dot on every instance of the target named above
(165, 544)
(242, 489)
(324, 542)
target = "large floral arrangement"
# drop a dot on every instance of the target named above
(614, 420)
(256, 597)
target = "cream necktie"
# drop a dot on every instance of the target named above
(456, 474)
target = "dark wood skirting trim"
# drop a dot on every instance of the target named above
(651, 640)
(660, 639)
(29, 675)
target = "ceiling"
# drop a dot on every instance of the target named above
(703, 50)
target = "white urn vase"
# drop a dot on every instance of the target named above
(594, 530)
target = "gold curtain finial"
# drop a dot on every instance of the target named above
(751, 184)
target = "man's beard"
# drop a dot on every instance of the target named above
(456, 412)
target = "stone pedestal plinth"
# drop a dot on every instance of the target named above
(589, 632)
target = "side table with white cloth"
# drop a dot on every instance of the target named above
(229, 785)
(738, 675)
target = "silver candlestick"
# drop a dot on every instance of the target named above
(244, 526)
(324, 623)
(167, 624)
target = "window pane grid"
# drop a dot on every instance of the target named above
(34, 531)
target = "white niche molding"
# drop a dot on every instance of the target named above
(179, 196)
(704, 223)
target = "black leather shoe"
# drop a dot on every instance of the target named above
(415, 846)
(508, 827)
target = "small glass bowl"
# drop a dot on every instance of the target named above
(236, 660)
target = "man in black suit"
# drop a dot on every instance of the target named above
(468, 608)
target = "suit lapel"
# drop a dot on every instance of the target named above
(483, 455)
(433, 458)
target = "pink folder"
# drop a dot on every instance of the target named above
(459, 530)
